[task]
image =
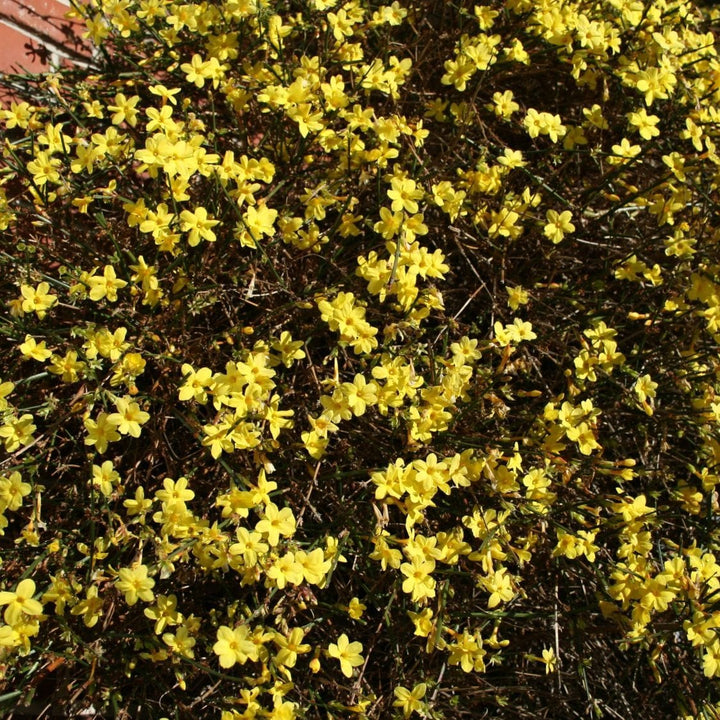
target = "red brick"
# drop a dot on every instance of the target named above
(17, 52)
(31, 30)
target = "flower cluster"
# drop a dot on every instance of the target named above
(354, 349)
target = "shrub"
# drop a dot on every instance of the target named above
(361, 360)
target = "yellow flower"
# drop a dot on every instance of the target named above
(290, 647)
(276, 522)
(356, 609)
(423, 621)
(341, 25)
(503, 223)
(389, 224)
(645, 388)
(101, 432)
(511, 159)
(68, 366)
(199, 70)
(181, 643)
(550, 660)
(360, 394)
(348, 653)
(249, 545)
(409, 700)
(711, 659)
(623, 152)
(44, 168)
(418, 579)
(514, 332)
(404, 194)
(458, 72)
(258, 221)
(12, 491)
(35, 350)
(694, 133)
(314, 566)
(307, 120)
(105, 286)
(199, 225)
(138, 505)
(20, 602)
(503, 104)
(544, 123)
(167, 95)
(107, 344)
(18, 115)
(124, 110)
(129, 417)
(175, 490)
(288, 348)
(90, 608)
(468, 652)
(135, 584)
(234, 646)
(196, 383)
(500, 586)
(644, 123)
(656, 82)
(104, 477)
(17, 431)
(558, 224)
(132, 365)
(37, 300)
(62, 590)
(583, 435)
(5, 389)
(516, 296)
(285, 570)
(594, 117)
(164, 612)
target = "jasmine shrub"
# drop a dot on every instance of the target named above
(361, 360)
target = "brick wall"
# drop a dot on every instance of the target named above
(36, 36)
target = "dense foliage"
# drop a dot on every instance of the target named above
(361, 360)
